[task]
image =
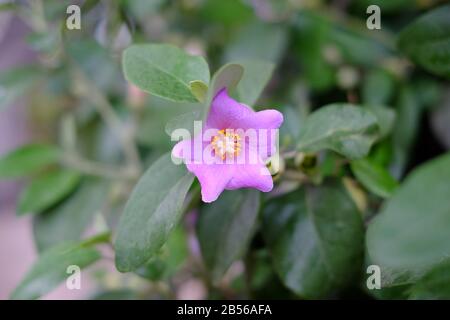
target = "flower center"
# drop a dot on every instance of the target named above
(226, 144)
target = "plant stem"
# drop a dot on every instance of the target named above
(124, 134)
(98, 169)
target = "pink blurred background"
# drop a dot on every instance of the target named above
(17, 252)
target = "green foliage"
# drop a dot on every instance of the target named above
(427, 41)
(250, 39)
(27, 160)
(51, 269)
(151, 213)
(14, 83)
(316, 239)
(47, 190)
(68, 220)
(346, 129)
(164, 70)
(434, 285)
(172, 256)
(410, 235)
(374, 177)
(225, 228)
(356, 105)
(257, 74)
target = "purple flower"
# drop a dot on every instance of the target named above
(232, 150)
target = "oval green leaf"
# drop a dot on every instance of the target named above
(68, 220)
(164, 70)
(343, 128)
(51, 268)
(47, 190)
(225, 228)
(427, 41)
(27, 160)
(151, 213)
(315, 238)
(411, 234)
(374, 177)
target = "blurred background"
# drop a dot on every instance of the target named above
(52, 80)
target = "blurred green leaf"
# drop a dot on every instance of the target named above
(161, 114)
(95, 61)
(225, 228)
(51, 268)
(248, 42)
(151, 213)
(311, 43)
(434, 285)
(385, 117)
(28, 159)
(410, 235)
(164, 70)
(165, 264)
(427, 41)
(378, 87)
(440, 118)
(343, 128)
(228, 13)
(409, 112)
(69, 219)
(14, 83)
(358, 47)
(185, 120)
(46, 190)
(374, 177)
(257, 74)
(315, 237)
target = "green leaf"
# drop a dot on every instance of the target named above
(251, 38)
(257, 74)
(427, 41)
(173, 254)
(410, 235)
(343, 128)
(161, 116)
(45, 191)
(164, 70)
(95, 61)
(310, 38)
(378, 87)
(409, 112)
(151, 213)
(69, 219)
(315, 237)
(374, 177)
(225, 228)
(27, 160)
(385, 118)
(51, 268)
(183, 121)
(434, 285)
(228, 76)
(14, 82)
(229, 13)
(199, 90)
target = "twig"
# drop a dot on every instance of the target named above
(97, 169)
(124, 134)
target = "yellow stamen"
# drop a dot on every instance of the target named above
(225, 143)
